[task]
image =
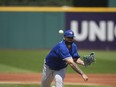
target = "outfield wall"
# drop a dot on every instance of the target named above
(37, 27)
(30, 29)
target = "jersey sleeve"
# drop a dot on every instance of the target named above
(75, 53)
(63, 52)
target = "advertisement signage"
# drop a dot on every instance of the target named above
(93, 30)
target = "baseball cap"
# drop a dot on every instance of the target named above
(69, 33)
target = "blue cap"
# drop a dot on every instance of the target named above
(69, 33)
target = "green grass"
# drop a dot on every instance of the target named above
(22, 60)
(34, 85)
(32, 61)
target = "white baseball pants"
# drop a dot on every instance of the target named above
(49, 75)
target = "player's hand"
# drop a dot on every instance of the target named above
(85, 77)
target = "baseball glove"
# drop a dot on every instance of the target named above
(88, 59)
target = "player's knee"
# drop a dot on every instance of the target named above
(58, 79)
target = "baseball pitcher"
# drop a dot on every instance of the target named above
(63, 54)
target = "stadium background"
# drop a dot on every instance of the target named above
(34, 28)
(29, 30)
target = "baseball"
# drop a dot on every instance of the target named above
(61, 31)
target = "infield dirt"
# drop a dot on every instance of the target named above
(74, 79)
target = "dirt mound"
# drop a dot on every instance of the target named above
(35, 78)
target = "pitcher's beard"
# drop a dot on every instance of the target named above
(69, 43)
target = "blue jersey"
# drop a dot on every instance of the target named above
(55, 59)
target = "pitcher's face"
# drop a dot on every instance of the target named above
(69, 40)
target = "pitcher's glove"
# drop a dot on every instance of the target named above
(88, 59)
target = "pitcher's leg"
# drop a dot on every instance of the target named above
(47, 77)
(59, 77)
